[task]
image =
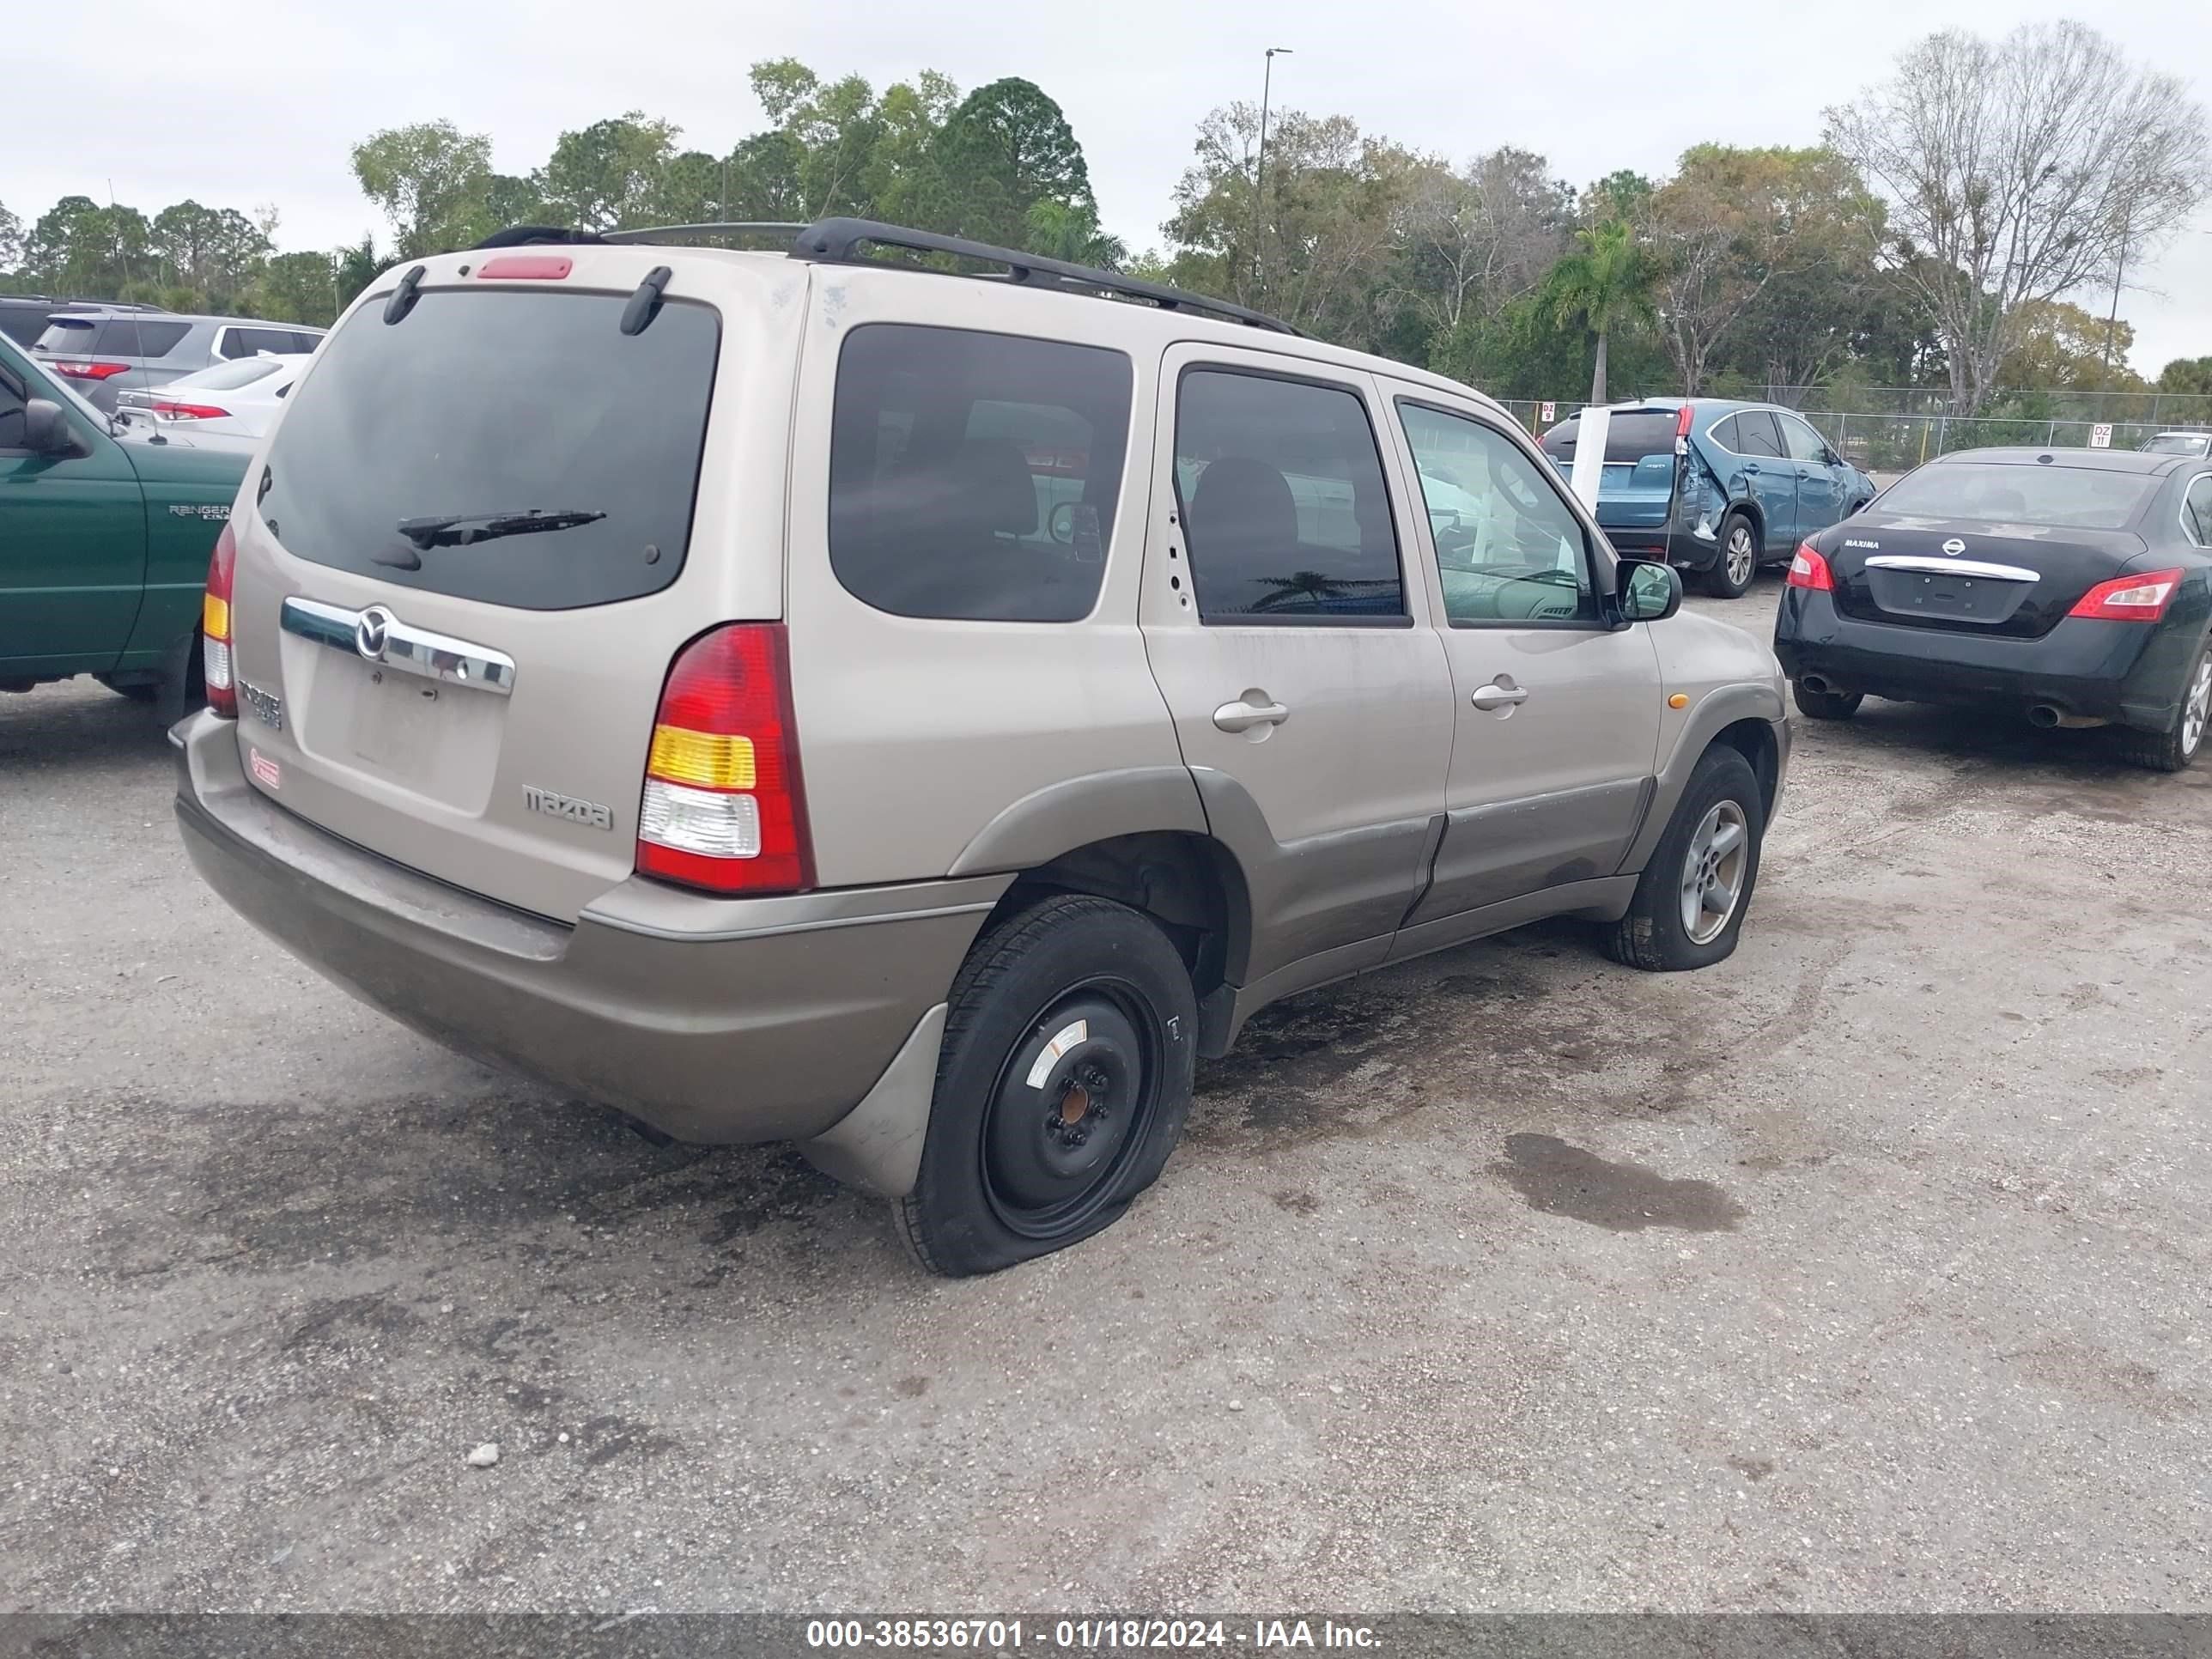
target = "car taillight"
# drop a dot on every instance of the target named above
(86, 371)
(1682, 422)
(1809, 569)
(2129, 598)
(189, 411)
(215, 628)
(723, 809)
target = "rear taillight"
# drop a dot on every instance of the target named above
(1809, 569)
(215, 628)
(1682, 422)
(2129, 598)
(722, 808)
(86, 371)
(189, 411)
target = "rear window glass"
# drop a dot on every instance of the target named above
(1629, 437)
(973, 477)
(229, 377)
(2081, 497)
(490, 405)
(69, 334)
(2175, 443)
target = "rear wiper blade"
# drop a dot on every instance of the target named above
(461, 529)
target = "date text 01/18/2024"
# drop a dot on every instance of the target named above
(1084, 1635)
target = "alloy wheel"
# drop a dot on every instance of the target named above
(1713, 872)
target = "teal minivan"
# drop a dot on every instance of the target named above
(105, 539)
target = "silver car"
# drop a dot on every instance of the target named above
(916, 715)
(103, 352)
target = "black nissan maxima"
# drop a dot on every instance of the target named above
(2072, 586)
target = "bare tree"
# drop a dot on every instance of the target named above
(1483, 235)
(2018, 170)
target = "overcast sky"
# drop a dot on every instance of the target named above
(243, 102)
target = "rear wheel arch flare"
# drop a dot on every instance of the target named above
(1190, 884)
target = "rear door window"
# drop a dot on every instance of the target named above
(484, 408)
(1756, 434)
(973, 477)
(1283, 501)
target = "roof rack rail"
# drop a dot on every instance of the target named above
(739, 227)
(838, 241)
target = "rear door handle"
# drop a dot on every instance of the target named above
(1751, 466)
(1499, 696)
(1242, 716)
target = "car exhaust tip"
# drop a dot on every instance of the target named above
(1816, 683)
(2044, 715)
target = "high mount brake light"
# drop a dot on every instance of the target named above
(723, 809)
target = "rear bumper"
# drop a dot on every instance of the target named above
(2096, 669)
(711, 1020)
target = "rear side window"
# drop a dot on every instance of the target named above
(1628, 437)
(248, 342)
(2196, 510)
(67, 334)
(1284, 505)
(2080, 497)
(125, 337)
(973, 477)
(483, 409)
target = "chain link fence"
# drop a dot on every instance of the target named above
(1897, 441)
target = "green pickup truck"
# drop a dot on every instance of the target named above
(105, 539)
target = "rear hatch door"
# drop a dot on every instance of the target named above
(2063, 531)
(1637, 487)
(479, 535)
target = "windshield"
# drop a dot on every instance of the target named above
(496, 404)
(2080, 497)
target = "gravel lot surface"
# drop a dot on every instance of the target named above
(1868, 1270)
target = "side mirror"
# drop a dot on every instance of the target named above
(46, 430)
(1650, 592)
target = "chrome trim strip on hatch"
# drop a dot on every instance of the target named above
(381, 637)
(1996, 572)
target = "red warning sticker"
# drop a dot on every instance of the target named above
(265, 770)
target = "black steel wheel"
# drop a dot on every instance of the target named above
(1061, 1087)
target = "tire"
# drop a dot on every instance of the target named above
(1007, 1173)
(2183, 740)
(1656, 935)
(1738, 560)
(1825, 705)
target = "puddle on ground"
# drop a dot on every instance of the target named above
(1558, 1179)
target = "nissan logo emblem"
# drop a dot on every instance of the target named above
(372, 632)
(1953, 547)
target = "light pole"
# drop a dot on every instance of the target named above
(1260, 167)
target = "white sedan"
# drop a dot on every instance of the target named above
(234, 401)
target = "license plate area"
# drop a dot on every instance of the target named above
(1924, 596)
(439, 741)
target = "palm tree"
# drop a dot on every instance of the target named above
(1070, 231)
(1606, 282)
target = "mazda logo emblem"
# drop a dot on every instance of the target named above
(1953, 547)
(373, 632)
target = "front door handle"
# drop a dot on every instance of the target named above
(1499, 696)
(1243, 715)
(1751, 466)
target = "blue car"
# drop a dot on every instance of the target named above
(1751, 482)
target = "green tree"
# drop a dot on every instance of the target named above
(83, 251)
(833, 128)
(511, 201)
(1005, 148)
(605, 176)
(215, 253)
(431, 179)
(2189, 374)
(357, 267)
(1059, 230)
(1605, 284)
(764, 182)
(901, 174)
(298, 287)
(11, 240)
